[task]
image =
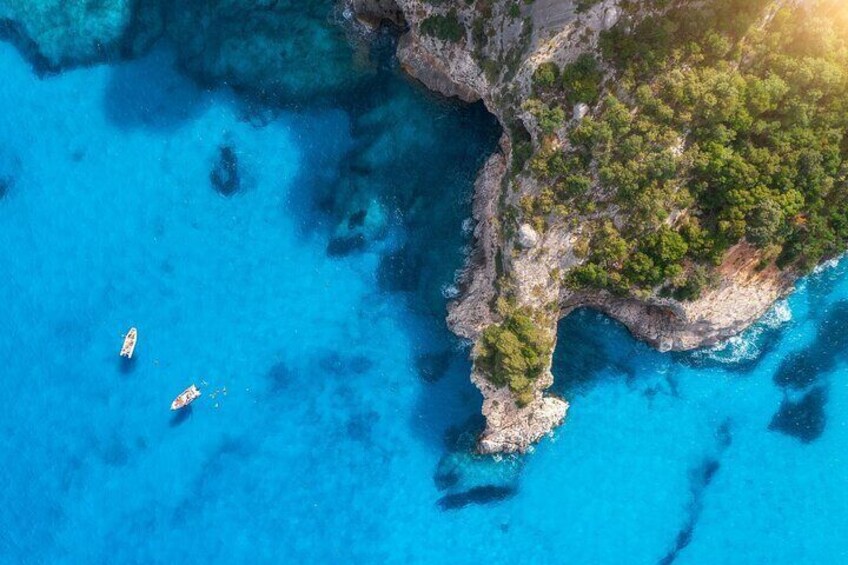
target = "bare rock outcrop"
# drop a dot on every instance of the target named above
(468, 316)
(506, 257)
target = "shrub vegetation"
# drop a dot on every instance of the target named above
(742, 125)
(514, 354)
(446, 27)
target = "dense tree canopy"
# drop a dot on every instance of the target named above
(514, 353)
(716, 110)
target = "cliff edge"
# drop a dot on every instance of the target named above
(555, 230)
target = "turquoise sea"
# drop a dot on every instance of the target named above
(291, 252)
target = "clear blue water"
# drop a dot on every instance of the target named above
(337, 415)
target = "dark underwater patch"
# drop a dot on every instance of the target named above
(705, 473)
(433, 366)
(150, 94)
(115, 453)
(181, 416)
(279, 377)
(683, 539)
(127, 366)
(360, 426)
(12, 32)
(724, 435)
(798, 370)
(586, 347)
(6, 183)
(478, 495)
(699, 479)
(341, 365)
(343, 246)
(225, 176)
(446, 477)
(400, 271)
(357, 219)
(804, 419)
(805, 367)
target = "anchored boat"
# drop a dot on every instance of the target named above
(129, 343)
(185, 398)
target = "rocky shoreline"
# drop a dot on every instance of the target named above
(743, 293)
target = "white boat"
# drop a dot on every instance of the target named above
(185, 398)
(129, 343)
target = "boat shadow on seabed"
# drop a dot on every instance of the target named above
(127, 365)
(181, 416)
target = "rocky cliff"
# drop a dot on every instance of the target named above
(489, 51)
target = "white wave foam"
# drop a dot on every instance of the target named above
(467, 226)
(747, 347)
(450, 291)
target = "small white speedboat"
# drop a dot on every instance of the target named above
(129, 343)
(185, 398)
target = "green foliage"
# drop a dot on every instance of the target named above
(742, 125)
(445, 27)
(546, 76)
(582, 80)
(549, 119)
(514, 354)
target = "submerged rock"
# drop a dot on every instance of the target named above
(66, 32)
(5, 185)
(343, 246)
(478, 495)
(261, 46)
(225, 173)
(433, 366)
(255, 46)
(803, 419)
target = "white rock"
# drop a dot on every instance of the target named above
(580, 111)
(611, 16)
(527, 237)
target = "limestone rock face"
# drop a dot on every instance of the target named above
(434, 73)
(580, 111)
(373, 12)
(469, 315)
(532, 263)
(513, 429)
(611, 16)
(527, 237)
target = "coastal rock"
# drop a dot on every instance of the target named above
(372, 13)
(513, 429)
(532, 271)
(433, 72)
(472, 312)
(527, 237)
(611, 16)
(744, 293)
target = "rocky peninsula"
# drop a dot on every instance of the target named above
(548, 241)
(674, 164)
